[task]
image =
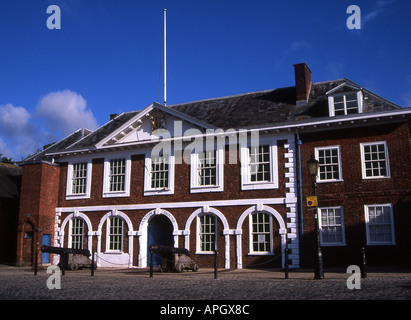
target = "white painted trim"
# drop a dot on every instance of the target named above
(106, 184)
(170, 205)
(226, 230)
(71, 163)
(148, 191)
(332, 244)
(244, 159)
(251, 251)
(246, 213)
(76, 214)
(367, 221)
(107, 253)
(331, 101)
(387, 161)
(289, 127)
(194, 165)
(339, 163)
(142, 234)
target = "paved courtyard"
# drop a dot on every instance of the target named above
(20, 283)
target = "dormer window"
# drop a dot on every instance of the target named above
(345, 103)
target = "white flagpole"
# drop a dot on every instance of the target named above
(165, 57)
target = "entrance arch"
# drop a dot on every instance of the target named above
(159, 232)
(151, 226)
(226, 231)
(266, 209)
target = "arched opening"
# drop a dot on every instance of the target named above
(159, 232)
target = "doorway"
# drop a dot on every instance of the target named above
(28, 243)
(45, 256)
(159, 232)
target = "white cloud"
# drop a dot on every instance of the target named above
(377, 11)
(64, 112)
(18, 136)
(57, 115)
(13, 119)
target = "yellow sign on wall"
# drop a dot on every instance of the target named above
(312, 201)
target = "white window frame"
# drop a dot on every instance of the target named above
(251, 233)
(195, 186)
(71, 233)
(323, 243)
(344, 94)
(199, 241)
(317, 156)
(148, 191)
(108, 237)
(246, 184)
(387, 162)
(106, 176)
(370, 242)
(69, 185)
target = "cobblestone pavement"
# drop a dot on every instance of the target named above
(19, 283)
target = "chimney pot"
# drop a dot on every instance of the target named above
(302, 82)
(113, 115)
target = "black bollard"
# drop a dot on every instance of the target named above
(92, 263)
(215, 263)
(364, 264)
(151, 263)
(63, 262)
(286, 262)
(35, 262)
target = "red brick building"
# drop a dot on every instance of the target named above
(230, 174)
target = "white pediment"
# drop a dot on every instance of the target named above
(344, 87)
(143, 126)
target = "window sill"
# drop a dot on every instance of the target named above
(158, 192)
(333, 244)
(116, 194)
(260, 254)
(258, 186)
(77, 196)
(200, 189)
(381, 244)
(329, 181)
(376, 178)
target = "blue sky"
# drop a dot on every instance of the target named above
(107, 56)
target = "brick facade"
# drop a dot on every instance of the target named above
(294, 121)
(354, 192)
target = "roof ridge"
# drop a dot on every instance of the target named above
(225, 97)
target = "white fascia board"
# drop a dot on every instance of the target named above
(125, 125)
(344, 84)
(288, 127)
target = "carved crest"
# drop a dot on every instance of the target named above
(158, 120)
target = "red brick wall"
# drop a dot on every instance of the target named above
(232, 185)
(40, 185)
(354, 192)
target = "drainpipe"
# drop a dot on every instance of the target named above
(299, 143)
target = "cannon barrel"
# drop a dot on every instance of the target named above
(58, 250)
(164, 249)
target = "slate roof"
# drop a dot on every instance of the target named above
(58, 146)
(273, 107)
(242, 111)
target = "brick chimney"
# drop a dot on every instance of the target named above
(302, 83)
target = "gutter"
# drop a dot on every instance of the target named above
(298, 142)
